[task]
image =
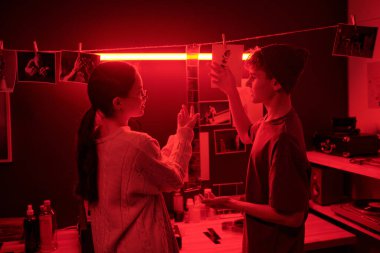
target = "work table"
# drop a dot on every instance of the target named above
(319, 234)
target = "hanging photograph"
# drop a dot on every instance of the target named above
(352, 40)
(35, 67)
(231, 57)
(204, 155)
(8, 71)
(5, 128)
(214, 113)
(227, 141)
(76, 66)
(373, 77)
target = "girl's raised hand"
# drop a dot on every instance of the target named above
(186, 119)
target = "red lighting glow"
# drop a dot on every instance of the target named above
(154, 56)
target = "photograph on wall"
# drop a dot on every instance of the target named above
(204, 155)
(77, 66)
(8, 63)
(35, 67)
(373, 74)
(231, 57)
(227, 141)
(214, 113)
(5, 128)
(352, 40)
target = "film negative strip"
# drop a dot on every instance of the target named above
(192, 80)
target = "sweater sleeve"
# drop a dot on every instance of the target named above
(166, 168)
(167, 149)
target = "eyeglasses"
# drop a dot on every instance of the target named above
(143, 94)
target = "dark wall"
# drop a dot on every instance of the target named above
(45, 117)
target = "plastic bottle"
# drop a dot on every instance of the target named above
(178, 236)
(196, 212)
(206, 210)
(189, 210)
(178, 206)
(207, 193)
(49, 209)
(46, 230)
(31, 231)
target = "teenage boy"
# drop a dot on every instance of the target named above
(277, 182)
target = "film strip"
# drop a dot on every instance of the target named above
(192, 81)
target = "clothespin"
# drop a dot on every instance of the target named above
(79, 48)
(35, 47)
(1, 45)
(224, 40)
(252, 51)
(353, 21)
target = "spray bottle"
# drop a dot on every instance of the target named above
(31, 231)
(178, 206)
(46, 230)
(49, 209)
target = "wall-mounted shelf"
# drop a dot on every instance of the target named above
(326, 210)
(344, 164)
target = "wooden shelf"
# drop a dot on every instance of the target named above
(326, 210)
(342, 163)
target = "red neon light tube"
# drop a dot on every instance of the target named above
(154, 56)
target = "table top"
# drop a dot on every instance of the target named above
(319, 234)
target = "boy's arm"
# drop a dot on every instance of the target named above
(261, 211)
(267, 213)
(240, 119)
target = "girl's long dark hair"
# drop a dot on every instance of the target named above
(108, 80)
(87, 157)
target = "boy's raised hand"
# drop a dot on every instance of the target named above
(222, 77)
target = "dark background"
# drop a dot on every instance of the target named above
(45, 117)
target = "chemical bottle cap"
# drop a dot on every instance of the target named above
(30, 211)
(189, 202)
(47, 202)
(197, 200)
(207, 190)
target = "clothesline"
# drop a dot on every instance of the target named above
(216, 42)
(230, 41)
(200, 44)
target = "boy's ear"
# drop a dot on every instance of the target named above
(276, 85)
(116, 103)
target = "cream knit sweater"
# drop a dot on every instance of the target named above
(131, 215)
